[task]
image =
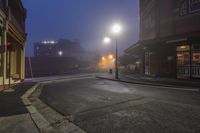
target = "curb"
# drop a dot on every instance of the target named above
(41, 123)
(158, 85)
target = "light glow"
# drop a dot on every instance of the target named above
(107, 40)
(49, 42)
(110, 57)
(60, 53)
(116, 29)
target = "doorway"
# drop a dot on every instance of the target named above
(183, 62)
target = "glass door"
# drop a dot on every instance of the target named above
(183, 62)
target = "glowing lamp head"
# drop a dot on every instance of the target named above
(60, 53)
(110, 57)
(103, 58)
(116, 28)
(107, 40)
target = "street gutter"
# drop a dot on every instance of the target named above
(180, 88)
(40, 121)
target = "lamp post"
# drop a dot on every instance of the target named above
(116, 29)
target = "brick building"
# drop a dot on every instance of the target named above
(169, 43)
(12, 41)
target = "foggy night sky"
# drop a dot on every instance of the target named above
(86, 20)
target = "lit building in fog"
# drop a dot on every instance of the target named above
(169, 42)
(12, 42)
(61, 48)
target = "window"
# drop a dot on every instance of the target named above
(196, 47)
(184, 8)
(149, 22)
(194, 6)
(183, 58)
(196, 58)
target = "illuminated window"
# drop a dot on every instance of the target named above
(183, 58)
(196, 58)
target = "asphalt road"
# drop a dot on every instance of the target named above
(103, 106)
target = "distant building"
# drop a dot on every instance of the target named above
(169, 42)
(57, 57)
(12, 41)
(61, 48)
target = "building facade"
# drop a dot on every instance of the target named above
(169, 42)
(61, 48)
(12, 42)
(58, 57)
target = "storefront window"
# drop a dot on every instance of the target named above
(183, 61)
(183, 58)
(196, 58)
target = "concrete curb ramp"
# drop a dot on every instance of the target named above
(60, 124)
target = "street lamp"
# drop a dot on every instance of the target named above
(107, 40)
(103, 58)
(60, 53)
(110, 57)
(116, 29)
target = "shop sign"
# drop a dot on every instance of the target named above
(183, 48)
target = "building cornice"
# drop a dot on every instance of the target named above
(21, 38)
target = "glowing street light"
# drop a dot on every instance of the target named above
(103, 58)
(60, 53)
(107, 40)
(110, 57)
(116, 29)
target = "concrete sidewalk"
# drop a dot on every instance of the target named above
(145, 80)
(14, 118)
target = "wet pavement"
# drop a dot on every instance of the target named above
(103, 106)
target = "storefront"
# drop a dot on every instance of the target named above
(188, 61)
(12, 43)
